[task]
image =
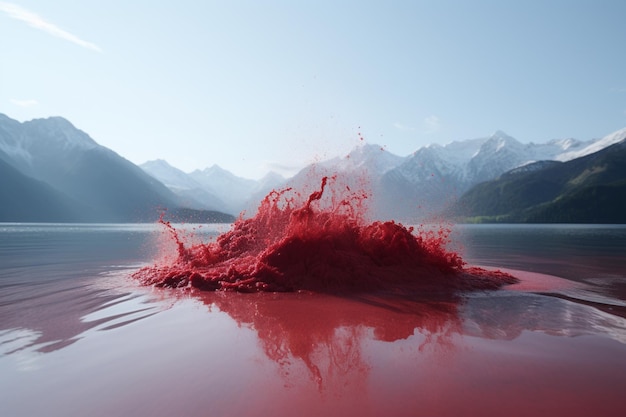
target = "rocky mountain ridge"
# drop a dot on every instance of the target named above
(107, 187)
(75, 171)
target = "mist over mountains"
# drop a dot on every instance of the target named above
(212, 188)
(52, 171)
(55, 172)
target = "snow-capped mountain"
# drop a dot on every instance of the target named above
(402, 188)
(476, 160)
(213, 188)
(588, 189)
(30, 144)
(223, 183)
(435, 176)
(190, 191)
(270, 181)
(171, 177)
(587, 148)
(409, 188)
(236, 192)
(499, 153)
(371, 159)
(53, 158)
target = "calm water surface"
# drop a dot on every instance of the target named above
(78, 337)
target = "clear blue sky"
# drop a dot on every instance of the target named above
(259, 85)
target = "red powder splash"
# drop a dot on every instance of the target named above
(320, 243)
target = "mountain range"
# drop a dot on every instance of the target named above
(54, 172)
(410, 189)
(435, 176)
(588, 189)
(429, 182)
(212, 188)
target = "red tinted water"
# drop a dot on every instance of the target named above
(318, 328)
(320, 242)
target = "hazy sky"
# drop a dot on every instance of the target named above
(260, 85)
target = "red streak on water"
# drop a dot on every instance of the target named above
(320, 243)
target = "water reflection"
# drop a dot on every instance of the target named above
(506, 315)
(53, 320)
(280, 354)
(327, 333)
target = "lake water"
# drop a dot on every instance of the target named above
(79, 337)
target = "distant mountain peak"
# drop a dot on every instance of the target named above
(61, 131)
(372, 157)
(272, 176)
(54, 123)
(501, 134)
(61, 121)
(157, 163)
(365, 151)
(214, 169)
(4, 117)
(432, 146)
(566, 143)
(594, 146)
(93, 182)
(172, 177)
(499, 142)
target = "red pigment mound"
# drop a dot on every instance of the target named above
(324, 245)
